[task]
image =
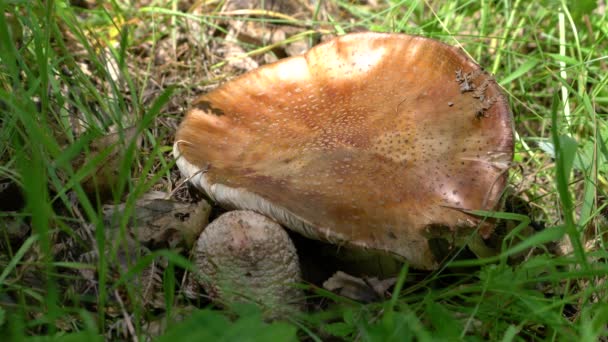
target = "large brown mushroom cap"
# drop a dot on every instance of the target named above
(370, 140)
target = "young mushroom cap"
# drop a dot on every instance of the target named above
(243, 256)
(371, 140)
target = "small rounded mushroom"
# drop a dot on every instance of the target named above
(380, 142)
(245, 256)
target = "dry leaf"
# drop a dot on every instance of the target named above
(364, 290)
(160, 223)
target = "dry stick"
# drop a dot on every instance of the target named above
(86, 229)
(126, 317)
(180, 184)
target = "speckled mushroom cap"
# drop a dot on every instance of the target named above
(244, 256)
(371, 140)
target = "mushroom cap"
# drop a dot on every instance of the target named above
(244, 256)
(370, 140)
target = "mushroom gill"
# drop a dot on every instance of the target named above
(371, 140)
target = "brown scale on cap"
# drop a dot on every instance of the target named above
(367, 140)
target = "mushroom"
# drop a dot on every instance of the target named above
(377, 142)
(245, 256)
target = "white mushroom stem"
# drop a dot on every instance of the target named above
(246, 257)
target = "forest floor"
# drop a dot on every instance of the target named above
(92, 92)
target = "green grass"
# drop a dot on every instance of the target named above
(69, 75)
